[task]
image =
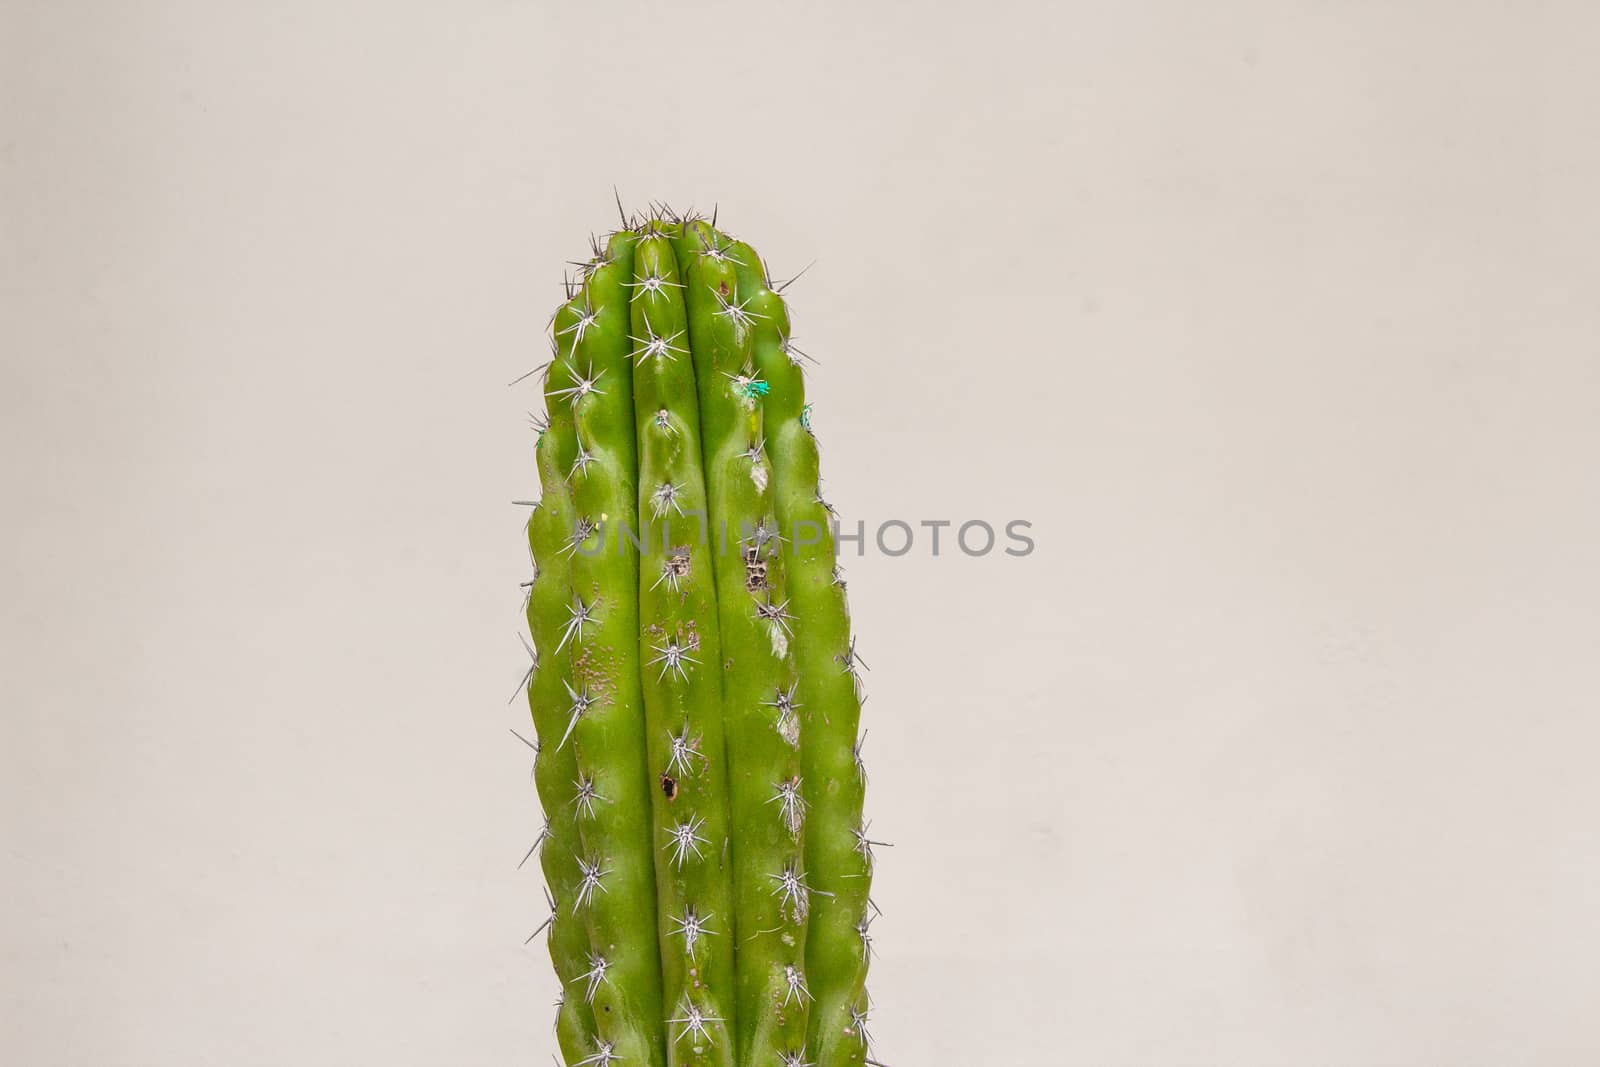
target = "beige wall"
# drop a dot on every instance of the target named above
(1278, 321)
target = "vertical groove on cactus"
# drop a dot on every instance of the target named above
(695, 694)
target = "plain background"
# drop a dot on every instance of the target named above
(1277, 320)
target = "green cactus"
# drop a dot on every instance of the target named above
(695, 692)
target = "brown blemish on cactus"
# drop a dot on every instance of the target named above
(678, 563)
(755, 569)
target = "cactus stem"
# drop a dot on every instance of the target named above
(742, 820)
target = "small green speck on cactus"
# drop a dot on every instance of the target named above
(695, 696)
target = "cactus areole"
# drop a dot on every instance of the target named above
(695, 688)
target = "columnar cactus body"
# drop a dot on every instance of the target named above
(695, 693)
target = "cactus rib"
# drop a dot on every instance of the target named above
(771, 901)
(606, 716)
(838, 852)
(683, 699)
(556, 768)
